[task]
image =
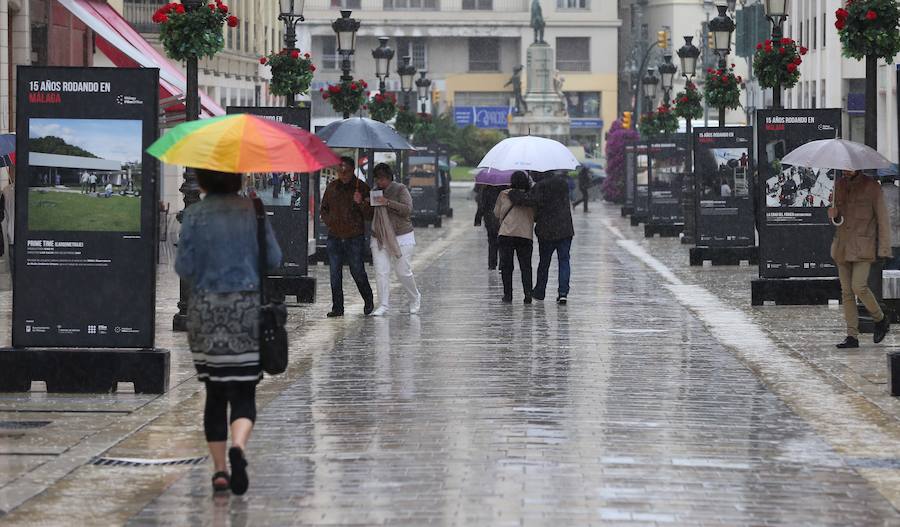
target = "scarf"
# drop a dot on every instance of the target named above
(383, 231)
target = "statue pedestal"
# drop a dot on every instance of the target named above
(546, 115)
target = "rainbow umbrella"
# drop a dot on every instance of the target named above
(243, 143)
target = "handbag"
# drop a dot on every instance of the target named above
(273, 341)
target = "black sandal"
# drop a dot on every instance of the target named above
(239, 479)
(218, 487)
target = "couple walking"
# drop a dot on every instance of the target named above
(542, 209)
(346, 207)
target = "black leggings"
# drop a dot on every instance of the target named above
(242, 398)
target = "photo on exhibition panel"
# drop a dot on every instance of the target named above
(85, 175)
(792, 186)
(725, 172)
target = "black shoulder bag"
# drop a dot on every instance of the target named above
(273, 342)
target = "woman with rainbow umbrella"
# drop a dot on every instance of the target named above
(220, 256)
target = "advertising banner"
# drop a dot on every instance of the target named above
(86, 207)
(481, 116)
(794, 231)
(286, 196)
(667, 167)
(641, 179)
(724, 172)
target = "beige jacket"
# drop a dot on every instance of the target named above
(866, 229)
(519, 222)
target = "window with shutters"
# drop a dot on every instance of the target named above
(573, 53)
(484, 54)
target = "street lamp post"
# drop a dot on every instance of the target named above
(189, 188)
(776, 13)
(345, 28)
(650, 82)
(721, 28)
(667, 72)
(290, 12)
(382, 55)
(406, 72)
(688, 55)
(423, 85)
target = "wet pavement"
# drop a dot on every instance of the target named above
(657, 396)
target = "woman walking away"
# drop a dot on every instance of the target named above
(218, 257)
(393, 240)
(860, 215)
(516, 231)
(486, 201)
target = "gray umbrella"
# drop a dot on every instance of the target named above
(359, 132)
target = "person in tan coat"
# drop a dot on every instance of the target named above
(863, 234)
(515, 237)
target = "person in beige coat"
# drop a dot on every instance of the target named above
(863, 234)
(515, 236)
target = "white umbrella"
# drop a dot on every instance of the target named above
(837, 154)
(529, 152)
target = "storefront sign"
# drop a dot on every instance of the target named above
(481, 116)
(87, 197)
(596, 124)
(795, 233)
(724, 176)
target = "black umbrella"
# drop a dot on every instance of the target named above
(359, 132)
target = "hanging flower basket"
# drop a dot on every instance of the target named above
(347, 97)
(666, 120)
(776, 62)
(869, 28)
(648, 126)
(291, 72)
(197, 33)
(406, 122)
(383, 107)
(687, 102)
(723, 88)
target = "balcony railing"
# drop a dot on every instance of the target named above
(486, 6)
(140, 13)
(573, 65)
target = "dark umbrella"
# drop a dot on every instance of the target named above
(359, 132)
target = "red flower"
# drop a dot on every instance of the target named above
(367, 93)
(312, 67)
(798, 61)
(365, 107)
(792, 67)
(840, 24)
(223, 8)
(325, 96)
(739, 79)
(212, 7)
(759, 46)
(263, 60)
(365, 84)
(321, 89)
(684, 99)
(841, 14)
(379, 97)
(353, 86)
(163, 19)
(295, 54)
(768, 48)
(233, 21)
(803, 50)
(785, 41)
(179, 9)
(334, 89)
(871, 15)
(781, 50)
(306, 55)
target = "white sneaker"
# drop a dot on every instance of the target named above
(380, 311)
(415, 305)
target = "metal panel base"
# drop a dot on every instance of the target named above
(724, 255)
(637, 219)
(794, 291)
(664, 230)
(893, 364)
(626, 211)
(302, 287)
(81, 370)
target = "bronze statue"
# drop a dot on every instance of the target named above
(537, 21)
(516, 82)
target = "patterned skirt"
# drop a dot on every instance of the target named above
(223, 333)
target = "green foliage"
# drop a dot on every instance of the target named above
(406, 122)
(291, 72)
(687, 102)
(723, 88)
(666, 120)
(776, 63)
(472, 144)
(56, 145)
(347, 97)
(196, 33)
(648, 126)
(383, 107)
(869, 28)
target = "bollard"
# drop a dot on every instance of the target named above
(893, 359)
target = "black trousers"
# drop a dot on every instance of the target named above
(584, 199)
(521, 248)
(241, 396)
(493, 248)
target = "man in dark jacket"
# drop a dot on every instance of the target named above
(487, 198)
(553, 227)
(343, 213)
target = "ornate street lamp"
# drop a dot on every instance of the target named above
(721, 28)
(688, 55)
(423, 85)
(290, 12)
(382, 55)
(345, 28)
(406, 72)
(650, 83)
(667, 72)
(776, 13)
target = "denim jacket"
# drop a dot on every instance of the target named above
(217, 247)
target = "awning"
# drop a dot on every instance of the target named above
(126, 48)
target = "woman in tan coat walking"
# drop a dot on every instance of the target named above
(515, 237)
(863, 233)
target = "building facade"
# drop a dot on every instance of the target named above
(470, 48)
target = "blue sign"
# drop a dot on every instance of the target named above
(587, 123)
(481, 116)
